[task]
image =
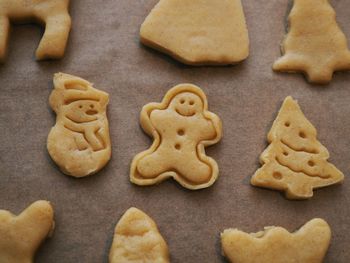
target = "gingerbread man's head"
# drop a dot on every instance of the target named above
(187, 104)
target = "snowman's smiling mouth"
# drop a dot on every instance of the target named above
(186, 114)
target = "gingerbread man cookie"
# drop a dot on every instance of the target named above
(198, 32)
(182, 127)
(295, 161)
(276, 245)
(137, 239)
(52, 13)
(314, 45)
(21, 236)
(79, 142)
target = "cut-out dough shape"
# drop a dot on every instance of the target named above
(79, 142)
(137, 239)
(276, 245)
(182, 127)
(21, 236)
(51, 13)
(314, 45)
(295, 161)
(198, 32)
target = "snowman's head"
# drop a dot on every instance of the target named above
(187, 104)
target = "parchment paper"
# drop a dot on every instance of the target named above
(104, 49)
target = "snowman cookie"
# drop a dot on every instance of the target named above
(182, 127)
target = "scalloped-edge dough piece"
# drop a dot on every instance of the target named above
(53, 14)
(198, 32)
(137, 239)
(79, 142)
(314, 45)
(309, 244)
(21, 236)
(182, 127)
(295, 161)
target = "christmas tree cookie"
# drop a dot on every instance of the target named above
(198, 32)
(314, 45)
(137, 239)
(276, 245)
(295, 161)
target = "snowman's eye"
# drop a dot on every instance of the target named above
(191, 102)
(80, 106)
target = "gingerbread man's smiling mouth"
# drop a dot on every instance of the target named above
(187, 114)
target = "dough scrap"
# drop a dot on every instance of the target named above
(276, 245)
(295, 161)
(314, 45)
(51, 13)
(182, 127)
(79, 142)
(21, 236)
(198, 32)
(137, 239)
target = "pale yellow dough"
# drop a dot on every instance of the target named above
(137, 240)
(295, 161)
(182, 127)
(21, 236)
(51, 13)
(314, 45)
(276, 245)
(79, 142)
(198, 32)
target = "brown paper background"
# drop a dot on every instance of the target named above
(104, 49)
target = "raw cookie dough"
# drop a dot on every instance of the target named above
(182, 127)
(198, 32)
(314, 45)
(51, 13)
(21, 236)
(295, 161)
(79, 142)
(276, 245)
(137, 239)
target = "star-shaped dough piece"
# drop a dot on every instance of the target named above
(21, 236)
(198, 32)
(295, 161)
(314, 45)
(276, 245)
(137, 239)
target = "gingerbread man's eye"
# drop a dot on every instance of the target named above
(182, 101)
(191, 102)
(80, 106)
(91, 106)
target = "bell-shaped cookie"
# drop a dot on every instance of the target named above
(21, 236)
(198, 32)
(276, 245)
(79, 142)
(295, 161)
(137, 239)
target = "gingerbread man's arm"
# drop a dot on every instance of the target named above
(215, 125)
(145, 118)
(4, 32)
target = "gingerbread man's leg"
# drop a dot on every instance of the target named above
(194, 170)
(54, 40)
(152, 165)
(4, 33)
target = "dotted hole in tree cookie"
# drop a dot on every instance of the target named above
(287, 124)
(277, 175)
(302, 135)
(181, 132)
(177, 146)
(311, 163)
(285, 153)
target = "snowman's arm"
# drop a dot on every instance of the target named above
(76, 127)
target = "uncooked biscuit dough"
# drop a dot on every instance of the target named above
(21, 236)
(79, 142)
(314, 45)
(295, 161)
(51, 13)
(276, 245)
(182, 127)
(198, 32)
(137, 239)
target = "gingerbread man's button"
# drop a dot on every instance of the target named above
(182, 127)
